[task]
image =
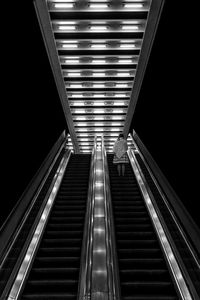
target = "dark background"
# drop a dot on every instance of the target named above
(32, 117)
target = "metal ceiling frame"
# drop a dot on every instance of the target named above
(81, 98)
(45, 26)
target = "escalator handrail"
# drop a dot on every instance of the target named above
(85, 265)
(16, 216)
(114, 277)
(29, 250)
(162, 232)
(86, 271)
(190, 227)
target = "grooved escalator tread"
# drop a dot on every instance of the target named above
(143, 272)
(55, 270)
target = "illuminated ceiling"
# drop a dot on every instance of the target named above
(98, 52)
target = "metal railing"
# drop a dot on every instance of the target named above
(187, 264)
(98, 272)
(15, 284)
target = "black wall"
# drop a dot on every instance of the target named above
(166, 113)
(31, 115)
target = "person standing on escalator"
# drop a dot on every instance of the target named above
(120, 154)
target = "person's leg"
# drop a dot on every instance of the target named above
(119, 169)
(123, 169)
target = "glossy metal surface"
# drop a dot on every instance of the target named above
(32, 248)
(167, 249)
(97, 279)
(102, 50)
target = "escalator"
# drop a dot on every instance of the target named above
(143, 271)
(55, 270)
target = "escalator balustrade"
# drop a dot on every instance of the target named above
(143, 271)
(55, 270)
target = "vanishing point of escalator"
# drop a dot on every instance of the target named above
(55, 270)
(143, 271)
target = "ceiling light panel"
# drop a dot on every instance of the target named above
(98, 26)
(92, 85)
(93, 6)
(99, 60)
(98, 44)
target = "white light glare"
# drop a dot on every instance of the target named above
(98, 5)
(125, 61)
(133, 5)
(77, 95)
(72, 61)
(99, 61)
(74, 74)
(98, 74)
(120, 95)
(67, 27)
(69, 46)
(121, 85)
(63, 5)
(97, 46)
(98, 28)
(75, 86)
(123, 74)
(127, 46)
(130, 27)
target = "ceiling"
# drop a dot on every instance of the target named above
(98, 51)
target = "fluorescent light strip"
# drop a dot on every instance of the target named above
(107, 95)
(75, 86)
(133, 5)
(69, 46)
(99, 74)
(64, 22)
(125, 61)
(97, 46)
(74, 74)
(130, 27)
(99, 6)
(127, 46)
(66, 27)
(72, 61)
(98, 28)
(100, 61)
(63, 5)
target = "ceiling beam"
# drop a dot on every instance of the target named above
(152, 24)
(45, 26)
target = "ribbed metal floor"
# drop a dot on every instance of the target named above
(55, 271)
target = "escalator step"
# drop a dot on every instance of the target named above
(55, 271)
(142, 268)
